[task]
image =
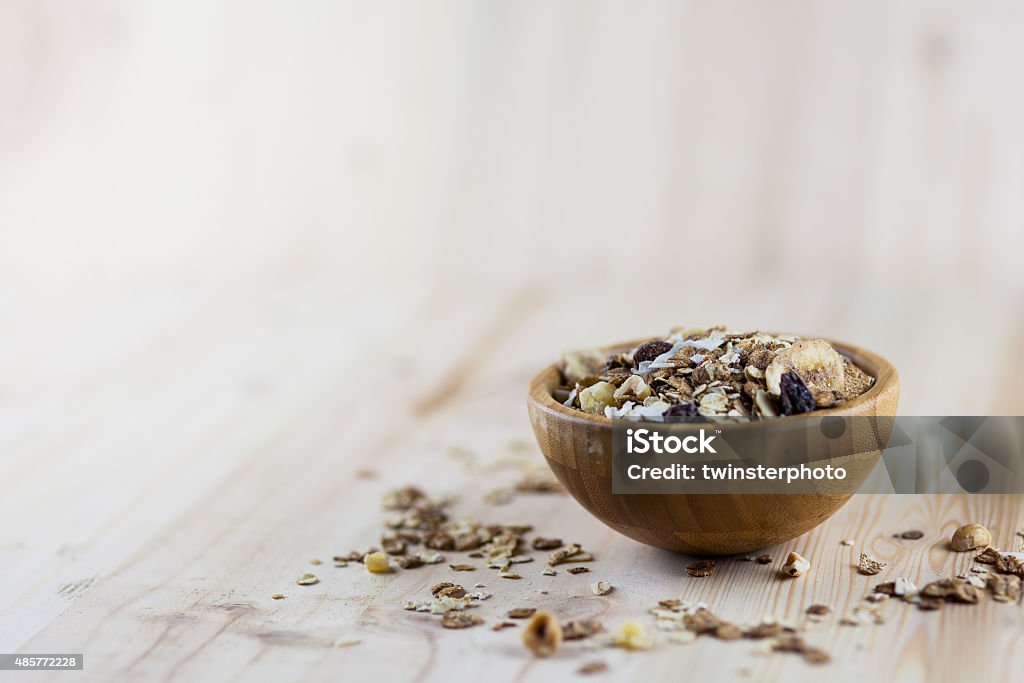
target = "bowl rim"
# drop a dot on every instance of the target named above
(885, 374)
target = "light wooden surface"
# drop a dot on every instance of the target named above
(249, 248)
(173, 473)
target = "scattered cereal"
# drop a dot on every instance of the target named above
(346, 640)
(377, 563)
(543, 634)
(631, 636)
(869, 566)
(522, 612)
(541, 543)
(601, 588)
(969, 537)
(456, 619)
(701, 568)
(578, 629)
(277, 596)
(593, 667)
(796, 565)
(307, 579)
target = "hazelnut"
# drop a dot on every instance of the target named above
(543, 635)
(796, 565)
(969, 537)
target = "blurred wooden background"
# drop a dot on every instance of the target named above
(225, 223)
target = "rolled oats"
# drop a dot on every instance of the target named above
(307, 579)
(454, 619)
(712, 373)
(578, 629)
(571, 553)
(701, 568)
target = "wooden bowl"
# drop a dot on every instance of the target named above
(578, 448)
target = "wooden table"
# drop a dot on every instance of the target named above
(173, 459)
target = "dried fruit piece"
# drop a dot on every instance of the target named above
(912, 535)
(795, 397)
(600, 588)
(595, 398)
(634, 389)
(650, 351)
(869, 566)
(578, 570)
(377, 563)
(701, 568)
(543, 634)
(459, 619)
(819, 366)
(796, 565)
(307, 579)
(763, 559)
(969, 537)
(819, 610)
(631, 636)
(578, 364)
(687, 409)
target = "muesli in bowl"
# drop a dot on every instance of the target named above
(712, 373)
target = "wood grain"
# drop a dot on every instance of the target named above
(174, 539)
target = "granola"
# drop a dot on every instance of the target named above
(712, 372)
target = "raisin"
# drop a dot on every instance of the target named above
(650, 351)
(682, 410)
(796, 397)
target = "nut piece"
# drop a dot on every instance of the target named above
(543, 634)
(969, 537)
(796, 565)
(600, 588)
(377, 563)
